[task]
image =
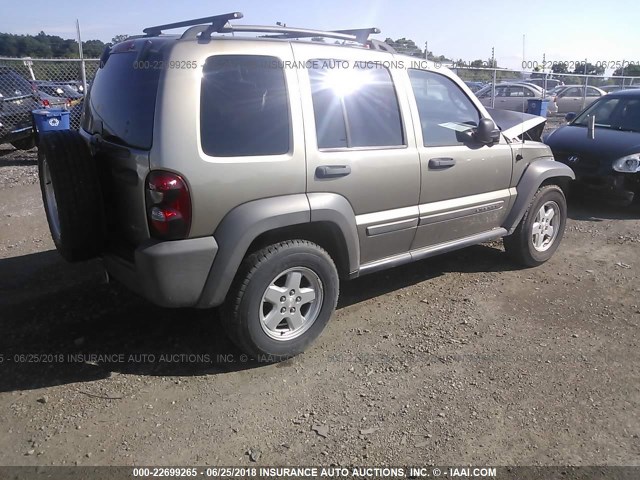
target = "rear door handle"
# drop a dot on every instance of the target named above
(436, 163)
(333, 171)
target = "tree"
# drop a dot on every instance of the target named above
(628, 71)
(477, 64)
(588, 69)
(46, 46)
(119, 38)
(92, 48)
(559, 68)
(405, 46)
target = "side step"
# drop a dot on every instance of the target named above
(431, 251)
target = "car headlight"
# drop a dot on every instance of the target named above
(628, 164)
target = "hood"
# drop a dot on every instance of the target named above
(513, 124)
(607, 145)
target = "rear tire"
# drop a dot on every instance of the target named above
(540, 231)
(71, 195)
(281, 300)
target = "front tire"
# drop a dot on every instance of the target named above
(281, 299)
(540, 231)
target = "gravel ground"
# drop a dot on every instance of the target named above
(460, 359)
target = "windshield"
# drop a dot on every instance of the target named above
(616, 113)
(13, 85)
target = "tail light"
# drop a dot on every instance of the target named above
(168, 206)
(45, 103)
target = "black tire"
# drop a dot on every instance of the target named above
(243, 311)
(520, 244)
(71, 195)
(25, 143)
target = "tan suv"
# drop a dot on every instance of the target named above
(254, 172)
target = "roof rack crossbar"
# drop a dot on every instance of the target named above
(287, 32)
(217, 22)
(360, 35)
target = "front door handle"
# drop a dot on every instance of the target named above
(436, 163)
(333, 171)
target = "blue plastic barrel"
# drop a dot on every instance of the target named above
(537, 106)
(47, 119)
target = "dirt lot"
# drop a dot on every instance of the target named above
(461, 359)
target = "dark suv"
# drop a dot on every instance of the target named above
(16, 103)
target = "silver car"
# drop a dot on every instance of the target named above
(571, 98)
(510, 96)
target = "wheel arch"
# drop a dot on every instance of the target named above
(320, 218)
(539, 173)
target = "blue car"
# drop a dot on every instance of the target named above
(602, 146)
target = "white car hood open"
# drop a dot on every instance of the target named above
(514, 124)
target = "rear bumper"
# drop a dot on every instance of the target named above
(168, 274)
(14, 133)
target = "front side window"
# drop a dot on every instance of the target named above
(244, 110)
(445, 111)
(354, 106)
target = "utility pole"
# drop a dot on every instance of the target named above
(426, 50)
(83, 71)
(493, 57)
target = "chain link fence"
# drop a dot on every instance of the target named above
(511, 89)
(28, 84)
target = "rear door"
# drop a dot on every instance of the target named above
(359, 142)
(570, 100)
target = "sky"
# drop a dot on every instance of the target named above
(464, 29)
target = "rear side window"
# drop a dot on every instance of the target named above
(354, 106)
(244, 107)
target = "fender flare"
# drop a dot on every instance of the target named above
(536, 173)
(246, 222)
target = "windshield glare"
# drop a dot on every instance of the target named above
(616, 113)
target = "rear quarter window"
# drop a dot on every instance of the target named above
(244, 109)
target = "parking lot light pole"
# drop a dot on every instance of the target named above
(586, 82)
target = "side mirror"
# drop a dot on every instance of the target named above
(570, 116)
(487, 132)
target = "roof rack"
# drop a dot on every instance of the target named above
(220, 24)
(217, 22)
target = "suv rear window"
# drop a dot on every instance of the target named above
(123, 97)
(244, 110)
